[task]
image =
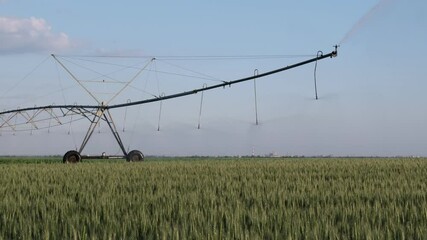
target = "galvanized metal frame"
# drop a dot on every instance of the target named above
(96, 113)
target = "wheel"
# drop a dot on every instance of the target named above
(72, 157)
(135, 156)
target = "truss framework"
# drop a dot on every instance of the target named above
(43, 116)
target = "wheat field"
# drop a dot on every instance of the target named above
(215, 198)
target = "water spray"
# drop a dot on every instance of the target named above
(363, 20)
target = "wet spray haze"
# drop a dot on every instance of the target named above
(364, 20)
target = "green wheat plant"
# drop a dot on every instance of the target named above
(213, 198)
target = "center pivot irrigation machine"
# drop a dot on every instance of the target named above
(95, 113)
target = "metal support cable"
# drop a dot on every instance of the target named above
(25, 77)
(130, 81)
(203, 76)
(182, 94)
(228, 83)
(201, 105)
(50, 119)
(319, 53)
(75, 78)
(126, 111)
(160, 112)
(256, 102)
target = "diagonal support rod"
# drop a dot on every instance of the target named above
(130, 81)
(75, 78)
(91, 129)
(108, 118)
(105, 115)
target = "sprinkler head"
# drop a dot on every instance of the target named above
(335, 52)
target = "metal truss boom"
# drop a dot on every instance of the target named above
(95, 113)
(195, 91)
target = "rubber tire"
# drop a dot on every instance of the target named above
(72, 157)
(135, 156)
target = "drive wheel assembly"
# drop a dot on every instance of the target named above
(72, 157)
(135, 156)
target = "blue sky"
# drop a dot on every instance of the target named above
(372, 99)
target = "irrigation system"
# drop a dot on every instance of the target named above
(101, 112)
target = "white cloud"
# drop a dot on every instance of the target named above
(19, 35)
